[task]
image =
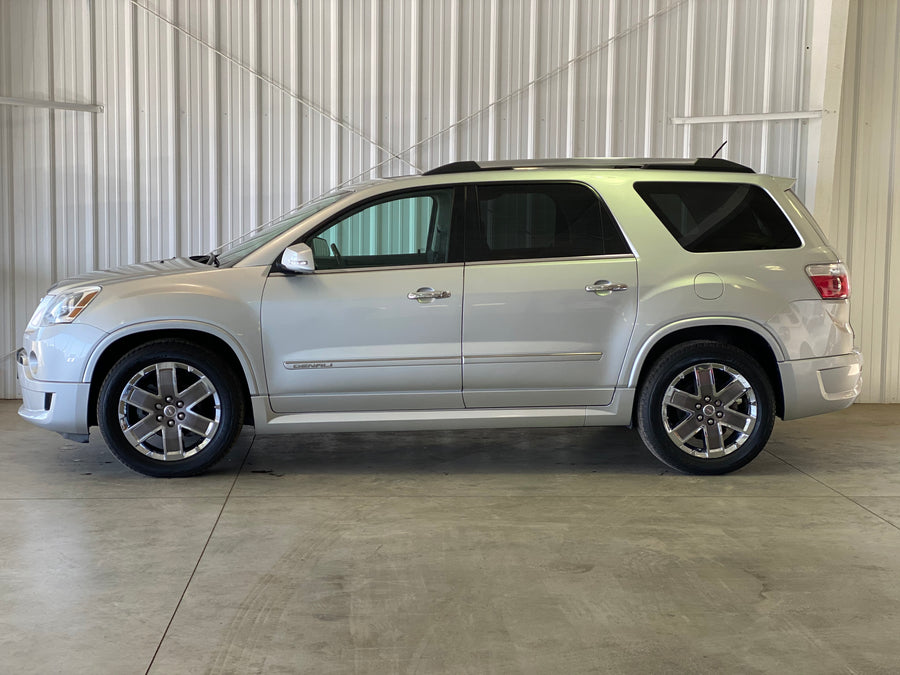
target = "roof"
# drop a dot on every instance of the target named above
(694, 164)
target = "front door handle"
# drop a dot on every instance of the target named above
(427, 294)
(604, 287)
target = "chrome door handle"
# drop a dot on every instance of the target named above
(604, 287)
(427, 294)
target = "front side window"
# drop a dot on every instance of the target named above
(707, 217)
(413, 229)
(541, 220)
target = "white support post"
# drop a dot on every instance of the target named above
(828, 40)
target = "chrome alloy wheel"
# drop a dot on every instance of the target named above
(709, 410)
(169, 411)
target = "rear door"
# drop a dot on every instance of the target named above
(550, 297)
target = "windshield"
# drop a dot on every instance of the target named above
(235, 250)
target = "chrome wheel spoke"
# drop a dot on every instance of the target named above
(141, 398)
(172, 440)
(714, 444)
(687, 429)
(706, 381)
(198, 424)
(165, 380)
(731, 392)
(681, 400)
(737, 421)
(139, 432)
(197, 392)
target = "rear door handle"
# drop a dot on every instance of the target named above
(427, 294)
(604, 287)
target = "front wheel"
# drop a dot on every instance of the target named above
(706, 408)
(169, 408)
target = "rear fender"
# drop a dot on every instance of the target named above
(633, 366)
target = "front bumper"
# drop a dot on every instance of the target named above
(821, 385)
(57, 406)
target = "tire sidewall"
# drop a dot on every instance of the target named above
(663, 373)
(207, 363)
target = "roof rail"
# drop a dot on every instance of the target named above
(697, 164)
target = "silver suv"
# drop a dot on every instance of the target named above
(692, 298)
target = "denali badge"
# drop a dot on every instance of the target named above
(306, 365)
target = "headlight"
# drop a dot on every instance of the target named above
(62, 308)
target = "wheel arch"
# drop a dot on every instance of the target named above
(118, 344)
(757, 343)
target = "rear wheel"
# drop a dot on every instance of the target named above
(170, 408)
(706, 408)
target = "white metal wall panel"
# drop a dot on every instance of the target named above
(867, 200)
(27, 173)
(220, 115)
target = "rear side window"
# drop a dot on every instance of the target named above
(547, 220)
(706, 217)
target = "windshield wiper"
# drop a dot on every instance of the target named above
(209, 259)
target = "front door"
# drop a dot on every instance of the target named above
(550, 297)
(377, 325)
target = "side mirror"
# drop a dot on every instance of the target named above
(299, 259)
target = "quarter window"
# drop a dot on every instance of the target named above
(410, 230)
(552, 220)
(706, 217)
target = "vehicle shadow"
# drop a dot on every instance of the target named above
(613, 450)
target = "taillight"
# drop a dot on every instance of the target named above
(831, 280)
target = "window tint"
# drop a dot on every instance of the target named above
(706, 217)
(410, 230)
(552, 220)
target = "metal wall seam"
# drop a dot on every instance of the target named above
(612, 49)
(8, 290)
(891, 337)
(690, 44)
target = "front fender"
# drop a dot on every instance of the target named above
(250, 364)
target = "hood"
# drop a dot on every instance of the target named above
(131, 273)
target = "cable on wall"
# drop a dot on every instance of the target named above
(546, 76)
(280, 87)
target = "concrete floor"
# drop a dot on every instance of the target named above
(542, 551)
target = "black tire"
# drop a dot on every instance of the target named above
(170, 408)
(736, 410)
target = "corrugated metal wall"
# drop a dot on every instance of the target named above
(218, 116)
(866, 207)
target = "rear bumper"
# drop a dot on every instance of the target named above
(816, 386)
(57, 406)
